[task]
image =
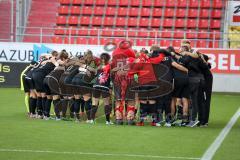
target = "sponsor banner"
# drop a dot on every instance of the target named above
(234, 13)
(26, 52)
(225, 61)
(10, 73)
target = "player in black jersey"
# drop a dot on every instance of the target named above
(33, 93)
(53, 95)
(181, 92)
(26, 86)
(83, 81)
(38, 77)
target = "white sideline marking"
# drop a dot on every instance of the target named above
(209, 153)
(96, 154)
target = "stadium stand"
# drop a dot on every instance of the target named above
(5, 21)
(42, 16)
(192, 19)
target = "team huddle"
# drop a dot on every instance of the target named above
(163, 86)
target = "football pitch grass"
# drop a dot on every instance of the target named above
(22, 138)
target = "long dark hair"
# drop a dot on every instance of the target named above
(105, 56)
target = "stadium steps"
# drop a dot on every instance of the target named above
(5, 21)
(41, 16)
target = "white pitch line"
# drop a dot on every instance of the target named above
(209, 153)
(97, 154)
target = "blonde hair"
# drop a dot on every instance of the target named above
(154, 47)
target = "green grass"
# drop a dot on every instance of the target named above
(19, 132)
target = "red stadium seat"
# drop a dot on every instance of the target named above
(142, 33)
(119, 32)
(191, 23)
(93, 31)
(112, 2)
(169, 12)
(157, 12)
(141, 42)
(65, 2)
(165, 43)
(217, 4)
(152, 42)
(135, 3)
(96, 21)
(144, 22)
(84, 20)
(87, 10)
(57, 40)
(180, 23)
(205, 4)
(121, 21)
(61, 20)
(123, 3)
(132, 22)
(93, 40)
(104, 41)
(75, 10)
(171, 3)
(68, 40)
(106, 32)
(118, 40)
(154, 33)
(73, 20)
(159, 3)
(131, 32)
(203, 34)
(156, 22)
(204, 13)
(98, 11)
(122, 11)
(63, 9)
(168, 22)
(203, 23)
(215, 23)
(166, 33)
(215, 34)
(181, 12)
(83, 31)
(110, 11)
(108, 21)
(133, 12)
(193, 43)
(100, 2)
(182, 3)
(81, 40)
(192, 13)
(216, 13)
(88, 2)
(178, 34)
(202, 44)
(145, 12)
(214, 44)
(72, 31)
(193, 3)
(59, 31)
(176, 43)
(77, 2)
(146, 3)
(191, 34)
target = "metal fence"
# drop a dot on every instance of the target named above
(7, 32)
(22, 10)
(72, 35)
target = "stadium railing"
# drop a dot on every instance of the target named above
(138, 37)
